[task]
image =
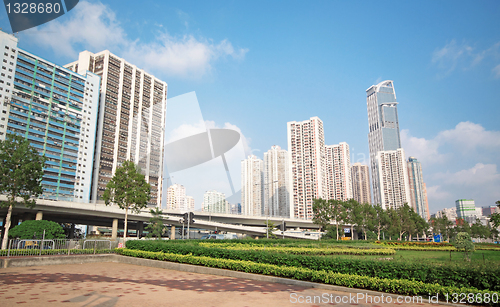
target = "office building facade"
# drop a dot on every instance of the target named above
(465, 208)
(56, 110)
(393, 179)
(307, 166)
(276, 196)
(361, 183)
(338, 172)
(131, 120)
(418, 192)
(383, 125)
(252, 181)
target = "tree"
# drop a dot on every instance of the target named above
(270, 229)
(321, 213)
(337, 212)
(365, 218)
(380, 219)
(128, 189)
(463, 242)
(30, 229)
(495, 217)
(156, 226)
(21, 172)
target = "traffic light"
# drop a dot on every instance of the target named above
(186, 217)
(191, 218)
(284, 226)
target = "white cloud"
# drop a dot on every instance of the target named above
(479, 175)
(496, 71)
(436, 193)
(462, 55)
(186, 56)
(466, 138)
(479, 182)
(458, 163)
(471, 137)
(94, 26)
(422, 149)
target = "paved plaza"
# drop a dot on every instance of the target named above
(108, 284)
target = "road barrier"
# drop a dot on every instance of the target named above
(36, 247)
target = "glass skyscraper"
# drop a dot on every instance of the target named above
(383, 127)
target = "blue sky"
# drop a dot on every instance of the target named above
(258, 64)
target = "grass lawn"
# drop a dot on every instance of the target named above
(491, 258)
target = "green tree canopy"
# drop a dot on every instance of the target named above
(21, 172)
(381, 219)
(28, 229)
(321, 213)
(128, 189)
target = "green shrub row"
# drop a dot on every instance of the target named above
(35, 252)
(403, 287)
(414, 243)
(486, 248)
(480, 277)
(423, 248)
(304, 250)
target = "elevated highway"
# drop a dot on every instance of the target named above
(98, 214)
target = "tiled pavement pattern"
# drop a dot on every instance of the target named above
(115, 284)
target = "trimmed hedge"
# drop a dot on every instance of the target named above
(303, 250)
(404, 287)
(446, 275)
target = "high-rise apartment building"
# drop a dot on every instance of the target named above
(383, 127)
(338, 172)
(418, 192)
(307, 166)
(489, 210)
(361, 183)
(56, 110)
(131, 120)
(215, 202)
(176, 197)
(393, 179)
(276, 196)
(465, 208)
(252, 186)
(189, 203)
(450, 213)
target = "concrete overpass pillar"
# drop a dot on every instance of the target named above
(172, 232)
(140, 229)
(114, 230)
(39, 216)
(72, 231)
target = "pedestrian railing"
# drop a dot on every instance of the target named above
(57, 247)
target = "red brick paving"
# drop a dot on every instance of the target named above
(116, 284)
